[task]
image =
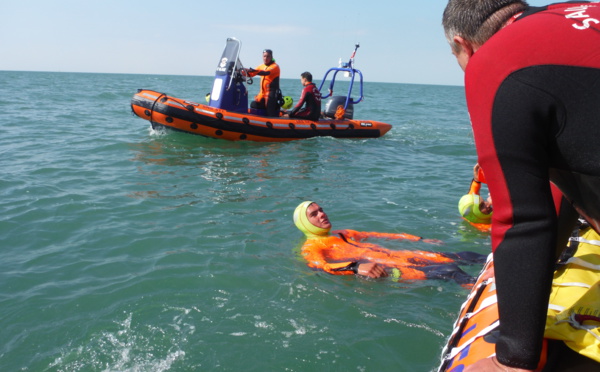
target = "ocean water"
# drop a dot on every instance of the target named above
(127, 249)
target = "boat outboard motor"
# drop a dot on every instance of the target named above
(229, 92)
(332, 104)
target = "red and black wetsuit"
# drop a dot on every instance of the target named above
(533, 93)
(312, 97)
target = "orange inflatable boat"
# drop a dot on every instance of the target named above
(186, 116)
(572, 335)
(474, 334)
(227, 115)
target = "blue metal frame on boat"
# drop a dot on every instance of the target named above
(352, 72)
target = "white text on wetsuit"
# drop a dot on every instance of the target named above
(579, 13)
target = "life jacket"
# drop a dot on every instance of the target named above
(574, 306)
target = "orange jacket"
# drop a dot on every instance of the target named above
(268, 83)
(338, 253)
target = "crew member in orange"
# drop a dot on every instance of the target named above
(342, 252)
(269, 84)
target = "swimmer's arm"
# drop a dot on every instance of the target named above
(372, 270)
(358, 236)
(475, 187)
(369, 269)
(313, 253)
(341, 268)
(402, 236)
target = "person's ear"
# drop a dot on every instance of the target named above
(467, 47)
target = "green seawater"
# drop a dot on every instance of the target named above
(128, 249)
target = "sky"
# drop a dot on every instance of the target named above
(400, 41)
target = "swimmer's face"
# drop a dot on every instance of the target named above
(317, 217)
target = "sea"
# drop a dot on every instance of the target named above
(129, 249)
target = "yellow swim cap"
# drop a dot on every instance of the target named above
(302, 223)
(468, 207)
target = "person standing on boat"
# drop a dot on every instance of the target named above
(269, 84)
(531, 83)
(310, 99)
(342, 252)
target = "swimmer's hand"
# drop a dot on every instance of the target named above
(372, 270)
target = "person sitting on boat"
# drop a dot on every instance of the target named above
(342, 252)
(269, 84)
(310, 99)
(472, 207)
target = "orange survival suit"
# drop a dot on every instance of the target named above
(341, 251)
(269, 86)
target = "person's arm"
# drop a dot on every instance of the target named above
(478, 175)
(300, 102)
(264, 70)
(263, 73)
(475, 187)
(362, 235)
(314, 254)
(369, 269)
(260, 71)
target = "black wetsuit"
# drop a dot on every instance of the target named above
(533, 93)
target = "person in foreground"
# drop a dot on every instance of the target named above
(269, 84)
(531, 82)
(310, 98)
(342, 252)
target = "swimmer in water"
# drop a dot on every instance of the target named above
(342, 252)
(472, 207)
